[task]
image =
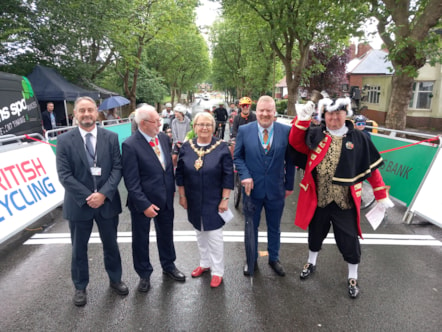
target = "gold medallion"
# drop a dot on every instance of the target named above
(198, 163)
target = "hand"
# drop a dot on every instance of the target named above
(288, 193)
(305, 111)
(183, 202)
(95, 200)
(151, 211)
(223, 206)
(385, 203)
(248, 185)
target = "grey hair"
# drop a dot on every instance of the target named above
(206, 116)
(142, 112)
(79, 99)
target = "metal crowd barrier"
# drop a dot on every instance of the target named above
(6, 140)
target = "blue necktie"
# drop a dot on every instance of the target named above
(90, 153)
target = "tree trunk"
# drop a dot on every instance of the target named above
(400, 98)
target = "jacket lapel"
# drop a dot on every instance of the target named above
(77, 141)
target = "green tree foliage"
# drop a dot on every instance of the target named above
(182, 59)
(242, 61)
(294, 25)
(406, 29)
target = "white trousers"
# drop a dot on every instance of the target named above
(211, 248)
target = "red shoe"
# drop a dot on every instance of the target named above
(199, 271)
(216, 281)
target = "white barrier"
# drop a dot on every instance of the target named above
(29, 186)
(427, 200)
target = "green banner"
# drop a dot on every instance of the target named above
(123, 130)
(404, 169)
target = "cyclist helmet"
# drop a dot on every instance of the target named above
(359, 118)
(245, 101)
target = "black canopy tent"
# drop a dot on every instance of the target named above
(50, 86)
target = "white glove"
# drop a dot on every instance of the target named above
(386, 203)
(305, 111)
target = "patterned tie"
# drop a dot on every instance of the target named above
(154, 145)
(265, 138)
(90, 153)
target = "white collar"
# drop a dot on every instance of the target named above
(84, 132)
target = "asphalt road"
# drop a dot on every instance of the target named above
(400, 280)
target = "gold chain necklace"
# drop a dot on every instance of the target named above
(200, 152)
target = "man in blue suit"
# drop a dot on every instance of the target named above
(89, 168)
(150, 182)
(266, 172)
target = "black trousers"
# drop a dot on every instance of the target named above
(345, 229)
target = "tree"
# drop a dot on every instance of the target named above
(326, 71)
(405, 28)
(293, 26)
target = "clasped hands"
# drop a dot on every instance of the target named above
(95, 200)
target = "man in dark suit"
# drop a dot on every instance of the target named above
(48, 118)
(149, 179)
(89, 168)
(267, 173)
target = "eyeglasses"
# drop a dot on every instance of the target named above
(156, 121)
(204, 125)
(244, 105)
(361, 123)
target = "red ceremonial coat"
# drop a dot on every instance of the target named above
(308, 201)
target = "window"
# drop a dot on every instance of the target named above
(373, 93)
(422, 94)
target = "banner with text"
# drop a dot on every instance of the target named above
(404, 169)
(29, 187)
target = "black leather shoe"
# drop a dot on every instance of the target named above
(80, 297)
(277, 267)
(353, 288)
(175, 275)
(144, 285)
(120, 288)
(246, 268)
(307, 270)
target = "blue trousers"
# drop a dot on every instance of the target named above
(273, 212)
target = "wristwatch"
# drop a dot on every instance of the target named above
(225, 198)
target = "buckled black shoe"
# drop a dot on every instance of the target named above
(353, 288)
(144, 285)
(175, 274)
(119, 287)
(307, 270)
(246, 268)
(277, 267)
(80, 297)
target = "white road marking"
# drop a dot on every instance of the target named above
(238, 236)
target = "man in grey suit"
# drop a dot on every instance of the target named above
(89, 168)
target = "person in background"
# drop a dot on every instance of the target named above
(180, 127)
(112, 114)
(267, 174)
(48, 117)
(360, 122)
(245, 116)
(167, 114)
(169, 133)
(339, 158)
(202, 161)
(89, 168)
(221, 117)
(150, 182)
(233, 114)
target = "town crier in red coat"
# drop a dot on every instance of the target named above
(336, 158)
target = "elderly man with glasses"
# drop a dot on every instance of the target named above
(149, 179)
